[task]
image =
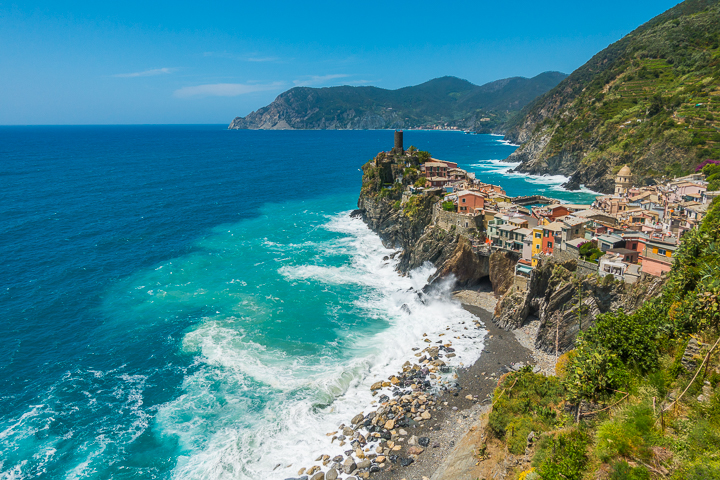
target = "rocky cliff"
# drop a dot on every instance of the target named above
(408, 227)
(421, 242)
(566, 303)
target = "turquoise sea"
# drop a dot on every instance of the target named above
(196, 303)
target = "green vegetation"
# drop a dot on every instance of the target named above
(650, 100)
(589, 252)
(449, 206)
(644, 414)
(420, 182)
(423, 156)
(563, 457)
(712, 171)
(524, 403)
(442, 101)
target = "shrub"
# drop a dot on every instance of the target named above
(563, 362)
(628, 434)
(702, 470)
(448, 206)
(707, 163)
(595, 372)
(589, 252)
(423, 156)
(524, 402)
(563, 457)
(420, 182)
(631, 337)
(622, 471)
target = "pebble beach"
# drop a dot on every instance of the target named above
(421, 413)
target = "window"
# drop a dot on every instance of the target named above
(661, 251)
(577, 231)
(463, 200)
(538, 235)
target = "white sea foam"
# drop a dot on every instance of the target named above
(254, 412)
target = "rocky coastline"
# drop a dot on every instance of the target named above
(428, 419)
(423, 412)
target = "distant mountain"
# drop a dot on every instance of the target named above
(650, 100)
(446, 100)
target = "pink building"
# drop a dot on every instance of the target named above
(684, 189)
(468, 201)
(657, 258)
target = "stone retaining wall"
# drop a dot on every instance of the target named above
(586, 268)
(464, 224)
(521, 282)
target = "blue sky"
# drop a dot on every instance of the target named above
(91, 62)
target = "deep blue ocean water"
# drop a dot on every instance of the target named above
(193, 302)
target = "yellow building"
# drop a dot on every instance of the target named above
(536, 244)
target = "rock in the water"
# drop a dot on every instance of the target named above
(332, 474)
(376, 386)
(348, 432)
(423, 441)
(318, 476)
(390, 424)
(365, 463)
(413, 440)
(405, 461)
(357, 419)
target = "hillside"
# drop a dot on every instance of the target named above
(638, 398)
(446, 100)
(649, 100)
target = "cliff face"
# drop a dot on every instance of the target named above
(646, 101)
(565, 303)
(408, 226)
(422, 242)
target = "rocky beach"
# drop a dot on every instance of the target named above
(430, 412)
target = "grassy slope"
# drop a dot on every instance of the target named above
(636, 102)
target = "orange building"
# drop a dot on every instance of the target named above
(468, 201)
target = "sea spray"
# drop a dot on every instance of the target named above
(275, 410)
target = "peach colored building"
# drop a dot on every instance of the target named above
(468, 201)
(657, 258)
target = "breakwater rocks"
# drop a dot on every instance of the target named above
(398, 428)
(566, 303)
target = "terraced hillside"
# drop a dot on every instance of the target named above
(650, 100)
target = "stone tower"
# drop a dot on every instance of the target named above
(622, 181)
(398, 142)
